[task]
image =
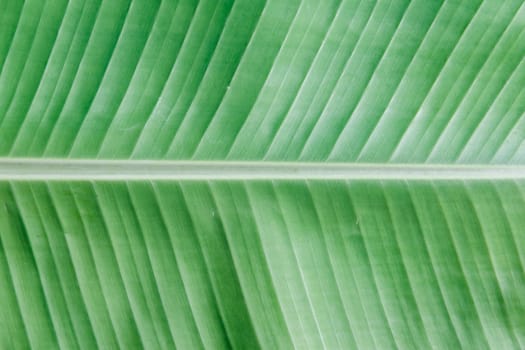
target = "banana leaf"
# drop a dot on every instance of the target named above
(295, 257)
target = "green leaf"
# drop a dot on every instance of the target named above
(277, 253)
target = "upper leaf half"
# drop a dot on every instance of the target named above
(334, 80)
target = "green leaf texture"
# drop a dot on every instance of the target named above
(276, 265)
(270, 264)
(373, 81)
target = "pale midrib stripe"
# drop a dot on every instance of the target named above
(77, 169)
